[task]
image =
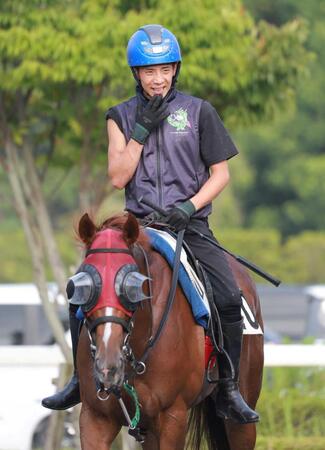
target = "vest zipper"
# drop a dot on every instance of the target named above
(158, 171)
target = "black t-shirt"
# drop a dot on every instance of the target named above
(215, 143)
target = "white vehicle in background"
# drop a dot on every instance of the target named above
(29, 361)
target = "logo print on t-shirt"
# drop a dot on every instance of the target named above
(179, 120)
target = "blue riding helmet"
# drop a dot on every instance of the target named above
(152, 44)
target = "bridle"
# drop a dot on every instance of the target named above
(138, 366)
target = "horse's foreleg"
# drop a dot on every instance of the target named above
(151, 442)
(172, 427)
(241, 437)
(97, 432)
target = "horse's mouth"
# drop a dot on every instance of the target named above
(109, 378)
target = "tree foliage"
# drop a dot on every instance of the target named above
(287, 156)
(62, 64)
(301, 259)
(59, 72)
(246, 69)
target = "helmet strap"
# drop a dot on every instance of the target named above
(175, 77)
(135, 75)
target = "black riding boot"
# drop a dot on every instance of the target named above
(229, 402)
(69, 396)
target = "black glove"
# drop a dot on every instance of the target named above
(149, 118)
(180, 216)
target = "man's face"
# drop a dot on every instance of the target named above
(157, 79)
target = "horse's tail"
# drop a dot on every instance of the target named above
(205, 425)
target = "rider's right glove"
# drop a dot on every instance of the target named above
(180, 216)
(149, 117)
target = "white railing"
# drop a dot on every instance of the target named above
(289, 355)
(294, 355)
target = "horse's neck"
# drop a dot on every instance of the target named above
(150, 313)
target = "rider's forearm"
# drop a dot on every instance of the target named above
(212, 187)
(123, 164)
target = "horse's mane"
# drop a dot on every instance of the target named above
(116, 222)
(125, 222)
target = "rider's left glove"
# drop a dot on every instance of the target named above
(180, 216)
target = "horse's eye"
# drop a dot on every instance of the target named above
(83, 289)
(129, 286)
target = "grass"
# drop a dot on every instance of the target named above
(285, 443)
(292, 403)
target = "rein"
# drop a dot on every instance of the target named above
(171, 296)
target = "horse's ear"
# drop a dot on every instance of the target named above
(87, 229)
(131, 230)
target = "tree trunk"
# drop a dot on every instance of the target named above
(34, 243)
(44, 221)
(93, 187)
(55, 430)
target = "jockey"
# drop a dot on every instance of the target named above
(172, 149)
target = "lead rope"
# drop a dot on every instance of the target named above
(134, 430)
(130, 390)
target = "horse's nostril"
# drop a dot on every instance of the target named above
(105, 371)
(109, 372)
(112, 371)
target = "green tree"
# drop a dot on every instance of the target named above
(59, 72)
(287, 156)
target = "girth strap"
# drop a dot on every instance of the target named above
(105, 319)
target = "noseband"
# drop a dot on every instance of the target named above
(93, 324)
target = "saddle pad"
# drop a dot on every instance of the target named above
(192, 287)
(251, 325)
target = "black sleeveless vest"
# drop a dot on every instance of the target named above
(170, 170)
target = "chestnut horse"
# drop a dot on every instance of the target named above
(174, 381)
